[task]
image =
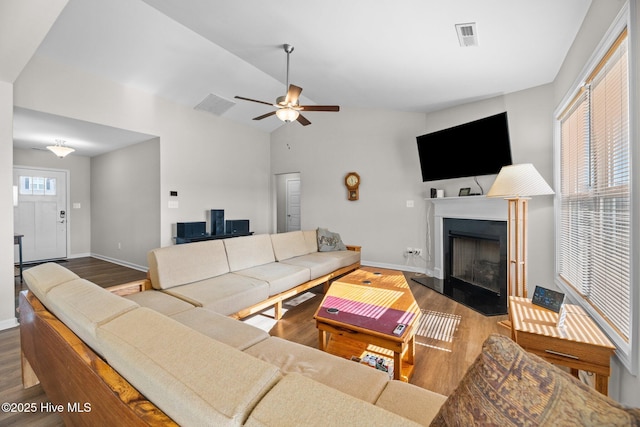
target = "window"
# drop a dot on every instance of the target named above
(594, 209)
(37, 186)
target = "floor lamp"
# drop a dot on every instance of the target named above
(516, 184)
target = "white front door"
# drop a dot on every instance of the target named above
(41, 214)
(293, 204)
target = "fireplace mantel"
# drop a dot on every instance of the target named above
(469, 207)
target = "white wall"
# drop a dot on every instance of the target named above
(21, 31)
(212, 162)
(381, 147)
(623, 386)
(79, 185)
(531, 134)
(125, 204)
(7, 296)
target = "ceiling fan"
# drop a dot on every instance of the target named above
(288, 108)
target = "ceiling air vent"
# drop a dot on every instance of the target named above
(467, 35)
(215, 104)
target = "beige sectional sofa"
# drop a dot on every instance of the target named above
(186, 364)
(244, 275)
(124, 364)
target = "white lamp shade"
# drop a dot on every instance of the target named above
(60, 150)
(522, 180)
(287, 114)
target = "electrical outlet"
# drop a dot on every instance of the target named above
(417, 251)
(409, 250)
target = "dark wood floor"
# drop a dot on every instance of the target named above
(100, 272)
(437, 369)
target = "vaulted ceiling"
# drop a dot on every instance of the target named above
(397, 55)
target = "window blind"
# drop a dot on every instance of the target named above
(595, 200)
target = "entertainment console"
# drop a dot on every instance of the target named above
(180, 240)
(189, 232)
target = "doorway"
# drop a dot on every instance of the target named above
(288, 205)
(41, 213)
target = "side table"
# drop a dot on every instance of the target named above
(579, 344)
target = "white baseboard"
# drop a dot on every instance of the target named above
(120, 262)
(8, 323)
(400, 267)
(71, 256)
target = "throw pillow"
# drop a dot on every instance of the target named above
(328, 241)
(507, 386)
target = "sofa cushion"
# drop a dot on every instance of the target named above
(44, 277)
(222, 328)
(318, 265)
(329, 241)
(281, 277)
(349, 377)
(249, 251)
(311, 240)
(508, 386)
(344, 258)
(181, 264)
(289, 245)
(410, 401)
(83, 306)
(194, 379)
(160, 302)
(300, 401)
(226, 294)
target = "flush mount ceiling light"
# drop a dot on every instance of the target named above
(60, 149)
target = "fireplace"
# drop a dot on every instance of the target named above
(475, 263)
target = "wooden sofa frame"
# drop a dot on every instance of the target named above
(72, 374)
(275, 300)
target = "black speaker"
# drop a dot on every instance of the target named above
(237, 226)
(192, 229)
(216, 219)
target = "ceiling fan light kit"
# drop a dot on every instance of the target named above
(287, 114)
(288, 106)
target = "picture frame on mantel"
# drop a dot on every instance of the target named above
(464, 191)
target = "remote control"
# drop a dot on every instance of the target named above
(399, 329)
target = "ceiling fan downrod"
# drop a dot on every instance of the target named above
(287, 48)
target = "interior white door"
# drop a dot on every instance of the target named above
(41, 213)
(293, 204)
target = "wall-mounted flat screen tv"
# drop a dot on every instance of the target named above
(476, 148)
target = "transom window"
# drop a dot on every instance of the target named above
(37, 186)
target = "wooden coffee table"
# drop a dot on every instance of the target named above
(370, 303)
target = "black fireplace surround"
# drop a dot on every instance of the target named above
(475, 264)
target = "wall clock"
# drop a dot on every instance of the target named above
(352, 181)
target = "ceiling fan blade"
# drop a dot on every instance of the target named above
(264, 116)
(320, 107)
(303, 120)
(293, 94)
(253, 100)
